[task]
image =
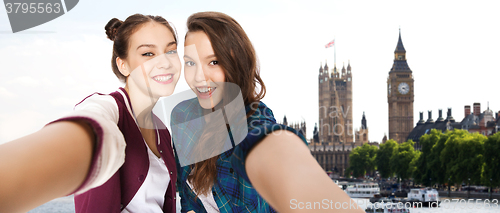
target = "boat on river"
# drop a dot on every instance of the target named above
(426, 197)
(362, 190)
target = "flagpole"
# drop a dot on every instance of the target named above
(334, 53)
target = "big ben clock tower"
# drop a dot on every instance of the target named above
(400, 95)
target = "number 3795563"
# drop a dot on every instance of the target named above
(33, 8)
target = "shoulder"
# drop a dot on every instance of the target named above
(261, 113)
(96, 99)
(101, 105)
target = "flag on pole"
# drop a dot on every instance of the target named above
(330, 44)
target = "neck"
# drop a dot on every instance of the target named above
(208, 112)
(142, 106)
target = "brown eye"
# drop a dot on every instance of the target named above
(214, 62)
(148, 54)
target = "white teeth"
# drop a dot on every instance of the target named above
(204, 89)
(162, 78)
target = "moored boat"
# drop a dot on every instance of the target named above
(426, 197)
(362, 190)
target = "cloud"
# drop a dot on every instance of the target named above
(25, 81)
(4, 93)
(16, 124)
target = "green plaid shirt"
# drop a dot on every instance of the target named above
(232, 189)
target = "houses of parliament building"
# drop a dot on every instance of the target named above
(333, 139)
(334, 136)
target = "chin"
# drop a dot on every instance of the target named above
(205, 104)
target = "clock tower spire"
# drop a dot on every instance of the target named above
(400, 95)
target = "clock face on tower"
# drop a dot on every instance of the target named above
(403, 88)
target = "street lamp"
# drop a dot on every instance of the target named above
(448, 187)
(468, 190)
(491, 188)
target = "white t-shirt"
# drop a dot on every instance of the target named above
(151, 195)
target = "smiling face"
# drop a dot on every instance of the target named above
(152, 64)
(202, 70)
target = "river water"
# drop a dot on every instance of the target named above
(451, 205)
(66, 205)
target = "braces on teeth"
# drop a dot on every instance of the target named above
(205, 89)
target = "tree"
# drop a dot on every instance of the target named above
(362, 160)
(462, 156)
(413, 164)
(422, 173)
(402, 158)
(383, 158)
(491, 172)
(436, 168)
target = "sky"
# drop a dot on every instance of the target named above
(452, 47)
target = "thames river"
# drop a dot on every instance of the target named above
(65, 205)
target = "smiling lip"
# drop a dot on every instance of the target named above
(164, 78)
(205, 92)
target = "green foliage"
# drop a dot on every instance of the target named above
(402, 158)
(413, 163)
(452, 157)
(423, 173)
(435, 167)
(362, 160)
(462, 156)
(491, 167)
(383, 158)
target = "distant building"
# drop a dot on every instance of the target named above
(335, 105)
(334, 157)
(484, 123)
(423, 127)
(331, 157)
(361, 135)
(300, 126)
(400, 95)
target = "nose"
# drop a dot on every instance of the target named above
(200, 75)
(163, 61)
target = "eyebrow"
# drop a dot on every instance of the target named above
(210, 56)
(153, 46)
(146, 45)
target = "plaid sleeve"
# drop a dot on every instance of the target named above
(260, 124)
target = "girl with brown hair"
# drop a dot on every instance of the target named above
(271, 166)
(111, 151)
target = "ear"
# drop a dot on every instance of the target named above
(122, 66)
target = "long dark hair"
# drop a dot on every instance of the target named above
(120, 31)
(236, 55)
